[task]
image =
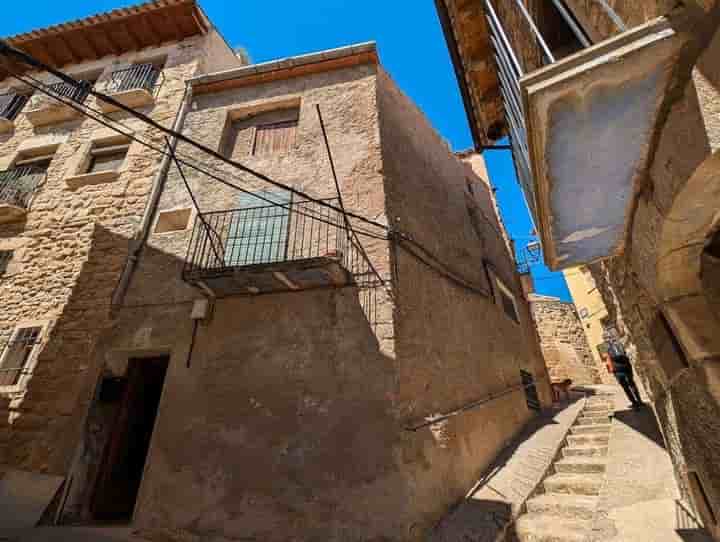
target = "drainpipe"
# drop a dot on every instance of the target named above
(150, 209)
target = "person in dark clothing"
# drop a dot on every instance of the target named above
(619, 365)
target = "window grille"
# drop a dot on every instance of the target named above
(11, 104)
(531, 394)
(16, 354)
(5, 257)
(138, 76)
(108, 158)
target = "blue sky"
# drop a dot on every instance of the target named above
(412, 48)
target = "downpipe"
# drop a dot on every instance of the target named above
(137, 244)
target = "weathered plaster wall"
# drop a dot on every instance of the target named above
(563, 341)
(292, 415)
(453, 346)
(74, 245)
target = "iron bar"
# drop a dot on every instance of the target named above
(497, 27)
(612, 14)
(139, 76)
(535, 30)
(17, 185)
(570, 20)
(11, 104)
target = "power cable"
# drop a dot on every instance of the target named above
(396, 235)
(130, 135)
(25, 58)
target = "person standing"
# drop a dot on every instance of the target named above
(619, 365)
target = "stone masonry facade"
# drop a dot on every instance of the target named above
(305, 413)
(563, 341)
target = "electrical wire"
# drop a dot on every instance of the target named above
(398, 236)
(39, 85)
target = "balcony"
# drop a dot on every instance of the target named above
(133, 87)
(44, 109)
(11, 104)
(580, 114)
(17, 187)
(270, 248)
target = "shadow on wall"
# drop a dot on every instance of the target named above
(642, 421)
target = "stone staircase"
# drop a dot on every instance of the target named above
(564, 511)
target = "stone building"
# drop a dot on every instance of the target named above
(590, 306)
(612, 108)
(563, 342)
(268, 367)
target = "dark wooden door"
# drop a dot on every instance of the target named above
(124, 457)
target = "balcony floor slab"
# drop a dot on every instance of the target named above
(306, 274)
(590, 121)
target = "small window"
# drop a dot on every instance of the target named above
(107, 158)
(16, 354)
(507, 300)
(175, 220)
(274, 138)
(39, 162)
(5, 257)
(264, 134)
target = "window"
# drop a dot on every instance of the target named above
(263, 134)
(506, 299)
(5, 257)
(175, 220)
(11, 104)
(531, 394)
(16, 354)
(107, 158)
(38, 162)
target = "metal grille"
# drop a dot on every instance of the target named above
(5, 257)
(15, 355)
(265, 234)
(512, 64)
(77, 93)
(139, 76)
(531, 394)
(17, 185)
(11, 104)
(291, 231)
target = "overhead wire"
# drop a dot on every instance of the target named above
(104, 119)
(395, 235)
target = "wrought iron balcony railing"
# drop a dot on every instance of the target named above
(138, 77)
(17, 185)
(77, 93)
(294, 240)
(11, 104)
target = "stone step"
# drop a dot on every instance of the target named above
(592, 420)
(546, 528)
(567, 506)
(580, 465)
(602, 429)
(574, 484)
(585, 450)
(597, 406)
(588, 439)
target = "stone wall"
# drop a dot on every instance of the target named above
(69, 253)
(659, 296)
(563, 341)
(291, 414)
